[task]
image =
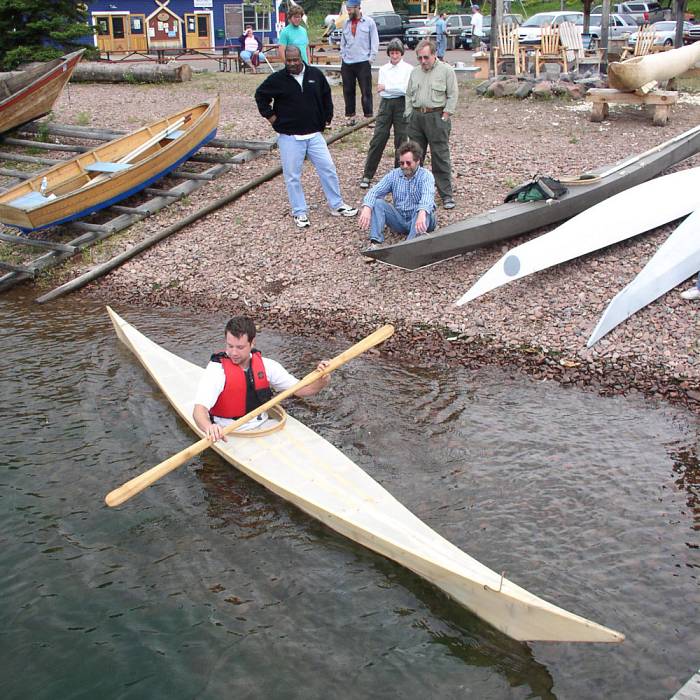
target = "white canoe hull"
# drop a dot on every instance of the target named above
(300, 466)
(629, 213)
(677, 259)
(636, 72)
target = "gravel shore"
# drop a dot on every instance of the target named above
(249, 256)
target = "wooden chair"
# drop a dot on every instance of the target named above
(550, 50)
(572, 40)
(508, 49)
(644, 45)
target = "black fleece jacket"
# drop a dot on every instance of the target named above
(297, 111)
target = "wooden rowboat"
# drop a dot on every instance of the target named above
(30, 94)
(674, 262)
(111, 172)
(300, 466)
(616, 219)
(515, 218)
(640, 71)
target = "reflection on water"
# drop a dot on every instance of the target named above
(206, 585)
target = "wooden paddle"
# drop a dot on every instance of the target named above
(140, 482)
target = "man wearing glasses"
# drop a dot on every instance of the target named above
(431, 98)
(412, 190)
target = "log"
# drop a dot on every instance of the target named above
(96, 72)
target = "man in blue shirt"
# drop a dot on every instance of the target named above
(359, 43)
(412, 188)
(441, 32)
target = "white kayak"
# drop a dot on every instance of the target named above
(629, 213)
(300, 466)
(677, 259)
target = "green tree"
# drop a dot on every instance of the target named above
(39, 30)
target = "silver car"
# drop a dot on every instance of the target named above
(619, 27)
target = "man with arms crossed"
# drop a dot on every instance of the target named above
(239, 380)
(297, 102)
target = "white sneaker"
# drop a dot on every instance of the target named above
(302, 221)
(693, 293)
(344, 210)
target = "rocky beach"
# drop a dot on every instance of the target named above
(249, 256)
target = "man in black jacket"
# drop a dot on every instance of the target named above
(297, 102)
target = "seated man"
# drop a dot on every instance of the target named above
(412, 188)
(239, 380)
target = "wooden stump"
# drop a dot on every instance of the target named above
(97, 72)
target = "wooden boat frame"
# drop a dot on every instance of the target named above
(31, 94)
(105, 175)
(515, 218)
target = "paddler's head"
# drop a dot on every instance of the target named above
(292, 60)
(240, 339)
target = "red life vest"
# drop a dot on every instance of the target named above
(243, 390)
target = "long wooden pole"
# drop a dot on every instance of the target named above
(139, 483)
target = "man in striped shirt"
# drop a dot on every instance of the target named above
(412, 188)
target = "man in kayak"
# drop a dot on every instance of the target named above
(240, 379)
(412, 189)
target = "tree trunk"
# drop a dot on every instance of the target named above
(96, 72)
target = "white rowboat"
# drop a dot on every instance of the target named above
(674, 262)
(300, 466)
(629, 213)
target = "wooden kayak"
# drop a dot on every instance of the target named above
(515, 218)
(301, 467)
(30, 94)
(677, 259)
(637, 72)
(634, 211)
(111, 172)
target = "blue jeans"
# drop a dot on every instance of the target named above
(385, 214)
(292, 154)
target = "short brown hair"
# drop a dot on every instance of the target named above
(239, 326)
(410, 147)
(296, 10)
(429, 43)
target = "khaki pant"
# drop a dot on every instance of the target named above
(429, 129)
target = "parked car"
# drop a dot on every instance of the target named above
(530, 32)
(390, 25)
(643, 12)
(693, 34)
(455, 25)
(620, 27)
(665, 33)
(465, 38)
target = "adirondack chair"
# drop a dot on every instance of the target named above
(550, 50)
(644, 44)
(572, 40)
(508, 49)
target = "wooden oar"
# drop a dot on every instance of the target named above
(139, 483)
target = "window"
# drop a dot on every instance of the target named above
(118, 27)
(259, 20)
(102, 26)
(202, 26)
(137, 24)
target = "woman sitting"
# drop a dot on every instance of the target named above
(250, 48)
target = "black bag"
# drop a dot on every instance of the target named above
(536, 190)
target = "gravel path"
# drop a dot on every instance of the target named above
(250, 257)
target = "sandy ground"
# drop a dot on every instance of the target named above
(249, 256)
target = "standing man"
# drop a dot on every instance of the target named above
(297, 102)
(391, 86)
(359, 43)
(240, 379)
(477, 27)
(412, 190)
(431, 98)
(294, 34)
(441, 30)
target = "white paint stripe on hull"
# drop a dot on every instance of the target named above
(629, 213)
(302, 467)
(677, 259)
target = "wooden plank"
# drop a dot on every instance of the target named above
(691, 690)
(16, 268)
(610, 95)
(36, 243)
(29, 143)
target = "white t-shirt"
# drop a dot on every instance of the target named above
(394, 78)
(214, 379)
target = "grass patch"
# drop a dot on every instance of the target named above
(83, 118)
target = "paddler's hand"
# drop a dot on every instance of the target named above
(326, 378)
(215, 432)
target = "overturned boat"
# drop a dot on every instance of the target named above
(111, 172)
(515, 218)
(625, 215)
(300, 466)
(30, 94)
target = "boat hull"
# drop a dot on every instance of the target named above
(642, 70)
(300, 466)
(87, 196)
(625, 215)
(34, 92)
(674, 262)
(515, 218)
